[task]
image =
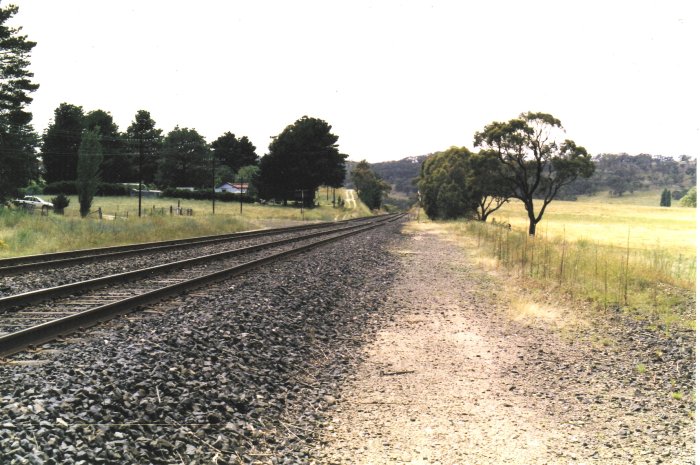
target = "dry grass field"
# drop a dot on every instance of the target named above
(22, 233)
(617, 253)
(610, 220)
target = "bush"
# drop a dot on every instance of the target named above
(60, 202)
(690, 199)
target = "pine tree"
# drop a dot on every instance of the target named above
(17, 137)
(61, 142)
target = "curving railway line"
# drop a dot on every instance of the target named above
(33, 316)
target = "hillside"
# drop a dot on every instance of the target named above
(615, 175)
(401, 173)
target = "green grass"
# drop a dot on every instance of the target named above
(23, 233)
(633, 256)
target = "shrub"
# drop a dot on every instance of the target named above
(60, 202)
(691, 198)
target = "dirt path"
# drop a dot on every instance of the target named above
(453, 378)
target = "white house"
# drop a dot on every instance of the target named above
(234, 188)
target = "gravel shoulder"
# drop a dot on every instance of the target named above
(464, 373)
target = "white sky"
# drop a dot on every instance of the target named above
(393, 78)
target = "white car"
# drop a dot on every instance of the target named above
(32, 201)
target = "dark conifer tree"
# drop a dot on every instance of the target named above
(17, 137)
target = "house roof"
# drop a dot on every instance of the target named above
(237, 185)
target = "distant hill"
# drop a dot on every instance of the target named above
(621, 173)
(400, 173)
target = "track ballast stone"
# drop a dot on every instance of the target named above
(242, 374)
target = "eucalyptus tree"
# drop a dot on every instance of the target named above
(370, 187)
(444, 185)
(486, 179)
(19, 163)
(537, 161)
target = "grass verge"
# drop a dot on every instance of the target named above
(605, 271)
(22, 233)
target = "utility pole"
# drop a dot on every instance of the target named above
(240, 195)
(140, 170)
(213, 183)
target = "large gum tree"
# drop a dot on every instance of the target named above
(537, 160)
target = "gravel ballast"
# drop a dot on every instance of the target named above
(242, 373)
(38, 279)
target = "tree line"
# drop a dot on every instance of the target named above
(81, 148)
(180, 158)
(302, 157)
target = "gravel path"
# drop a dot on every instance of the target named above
(454, 378)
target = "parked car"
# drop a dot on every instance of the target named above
(32, 201)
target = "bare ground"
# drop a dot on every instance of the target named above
(463, 373)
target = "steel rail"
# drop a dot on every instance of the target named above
(40, 295)
(16, 265)
(17, 341)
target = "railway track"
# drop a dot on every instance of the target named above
(18, 265)
(41, 315)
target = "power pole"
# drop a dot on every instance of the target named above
(213, 183)
(240, 194)
(140, 170)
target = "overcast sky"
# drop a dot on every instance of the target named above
(393, 78)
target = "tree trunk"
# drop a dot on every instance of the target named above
(533, 226)
(533, 221)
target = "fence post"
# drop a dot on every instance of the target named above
(99, 212)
